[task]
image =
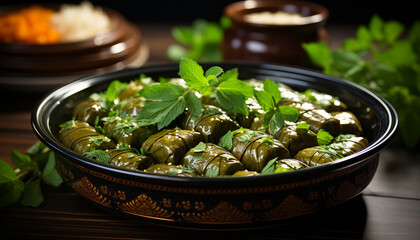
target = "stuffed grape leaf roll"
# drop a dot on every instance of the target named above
(212, 124)
(254, 149)
(295, 138)
(170, 145)
(81, 137)
(129, 159)
(208, 159)
(89, 110)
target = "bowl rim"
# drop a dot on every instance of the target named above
(40, 118)
(236, 11)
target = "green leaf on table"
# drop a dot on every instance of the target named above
(7, 174)
(21, 161)
(10, 192)
(50, 174)
(32, 194)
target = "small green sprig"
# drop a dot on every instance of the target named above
(275, 116)
(166, 101)
(23, 184)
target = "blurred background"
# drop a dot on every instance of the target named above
(341, 11)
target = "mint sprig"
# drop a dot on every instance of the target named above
(24, 184)
(380, 59)
(275, 116)
(166, 101)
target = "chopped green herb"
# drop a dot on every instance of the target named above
(324, 137)
(68, 125)
(201, 147)
(98, 155)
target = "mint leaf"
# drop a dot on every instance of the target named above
(231, 74)
(201, 147)
(376, 27)
(392, 30)
(50, 174)
(162, 92)
(226, 141)
(266, 101)
(232, 102)
(193, 74)
(303, 126)
(32, 195)
(7, 174)
(193, 104)
(114, 88)
(21, 161)
(324, 137)
(269, 167)
(214, 71)
(319, 53)
(272, 88)
(10, 192)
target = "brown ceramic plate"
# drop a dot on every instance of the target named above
(221, 202)
(116, 32)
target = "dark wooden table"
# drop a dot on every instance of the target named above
(389, 208)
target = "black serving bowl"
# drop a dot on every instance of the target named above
(222, 202)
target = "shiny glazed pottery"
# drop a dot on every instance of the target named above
(220, 202)
(272, 43)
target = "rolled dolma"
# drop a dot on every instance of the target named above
(342, 146)
(296, 139)
(325, 101)
(317, 155)
(289, 165)
(127, 130)
(347, 144)
(129, 107)
(245, 173)
(89, 110)
(128, 159)
(170, 146)
(316, 117)
(212, 124)
(254, 149)
(211, 160)
(81, 137)
(170, 169)
(349, 123)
